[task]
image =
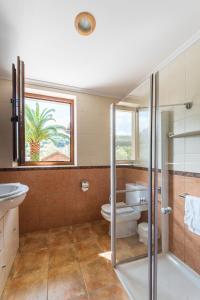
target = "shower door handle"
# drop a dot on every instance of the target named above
(166, 210)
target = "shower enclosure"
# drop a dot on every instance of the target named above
(156, 270)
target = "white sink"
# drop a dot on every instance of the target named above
(9, 189)
(11, 195)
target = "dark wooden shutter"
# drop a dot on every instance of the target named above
(14, 118)
(18, 86)
(20, 98)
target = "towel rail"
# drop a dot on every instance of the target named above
(183, 195)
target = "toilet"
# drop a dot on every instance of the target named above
(127, 214)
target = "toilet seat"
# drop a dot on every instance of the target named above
(121, 208)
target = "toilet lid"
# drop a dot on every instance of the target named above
(121, 208)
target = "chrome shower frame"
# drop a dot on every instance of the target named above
(152, 186)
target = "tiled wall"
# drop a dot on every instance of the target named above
(56, 199)
(183, 243)
(179, 82)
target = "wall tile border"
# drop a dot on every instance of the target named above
(28, 168)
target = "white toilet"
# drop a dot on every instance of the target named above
(127, 214)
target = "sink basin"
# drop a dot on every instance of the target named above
(11, 195)
(9, 189)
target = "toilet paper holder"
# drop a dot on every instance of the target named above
(85, 185)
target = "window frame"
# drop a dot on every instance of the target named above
(134, 134)
(60, 100)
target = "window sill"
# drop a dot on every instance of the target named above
(53, 167)
(43, 167)
(125, 162)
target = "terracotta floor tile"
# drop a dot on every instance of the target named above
(82, 225)
(104, 242)
(31, 286)
(132, 240)
(129, 248)
(59, 256)
(66, 283)
(34, 240)
(113, 292)
(86, 250)
(123, 251)
(27, 262)
(82, 232)
(62, 229)
(85, 297)
(70, 262)
(97, 273)
(100, 227)
(60, 238)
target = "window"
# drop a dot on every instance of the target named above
(42, 126)
(48, 130)
(125, 135)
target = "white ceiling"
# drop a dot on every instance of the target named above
(130, 39)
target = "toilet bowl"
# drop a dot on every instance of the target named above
(126, 219)
(127, 214)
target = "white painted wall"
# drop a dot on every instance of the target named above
(5, 124)
(92, 114)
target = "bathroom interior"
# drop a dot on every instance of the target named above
(99, 155)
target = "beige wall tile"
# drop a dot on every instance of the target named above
(56, 199)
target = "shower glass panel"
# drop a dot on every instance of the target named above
(178, 144)
(167, 163)
(130, 162)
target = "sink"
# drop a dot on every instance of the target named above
(11, 196)
(8, 189)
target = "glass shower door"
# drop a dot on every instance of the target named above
(178, 136)
(129, 188)
(170, 172)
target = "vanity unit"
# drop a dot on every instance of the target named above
(11, 196)
(9, 243)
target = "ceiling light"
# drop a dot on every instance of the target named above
(85, 23)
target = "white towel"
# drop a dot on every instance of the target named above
(192, 213)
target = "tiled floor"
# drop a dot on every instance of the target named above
(68, 263)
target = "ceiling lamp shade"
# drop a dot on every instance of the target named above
(85, 23)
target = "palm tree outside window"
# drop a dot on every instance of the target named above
(49, 130)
